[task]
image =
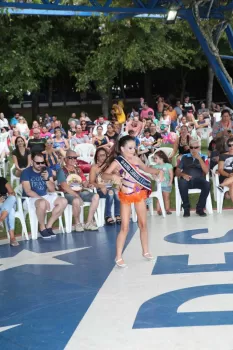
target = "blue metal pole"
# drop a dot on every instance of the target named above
(49, 12)
(229, 33)
(211, 58)
(224, 57)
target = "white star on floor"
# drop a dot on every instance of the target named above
(26, 257)
(3, 329)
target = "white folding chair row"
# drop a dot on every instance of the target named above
(32, 214)
(219, 194)
(209, 207)
(68, 214)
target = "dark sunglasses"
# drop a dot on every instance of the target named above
(39, 163)
(230, 144)
(194, 147)
(72, 157)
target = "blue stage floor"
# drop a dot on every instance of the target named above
(65, 293)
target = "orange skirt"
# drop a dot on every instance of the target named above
(133, 197)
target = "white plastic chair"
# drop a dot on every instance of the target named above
(209, 207)
(155, 194)
(19, 214)
(86, 152)
(13, 177)
(32, 214)
(102, 204)
(167, 150)
(219, 194)
(213, 177)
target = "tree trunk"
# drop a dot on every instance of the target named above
(64, 94)
(147, 88)
(106, 102)
(209, 93)
(35, 105)
(50, 92)
(122, 84)
(183, 87)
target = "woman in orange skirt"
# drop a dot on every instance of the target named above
(134, 188)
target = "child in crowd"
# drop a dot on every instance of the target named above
(162, 163)
(136, 139)
(147, 141)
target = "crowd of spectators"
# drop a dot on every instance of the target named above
(46, 157)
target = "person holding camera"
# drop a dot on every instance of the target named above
(38, 185)
(223, 128)
(7, 209)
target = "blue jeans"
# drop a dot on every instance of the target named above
(109, 201)
(199, 183)
(9, 206)
(173, 125)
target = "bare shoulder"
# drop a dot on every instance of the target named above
(136, 160)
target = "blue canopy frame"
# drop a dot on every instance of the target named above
(138, 8)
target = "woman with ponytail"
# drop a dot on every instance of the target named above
(134, 187)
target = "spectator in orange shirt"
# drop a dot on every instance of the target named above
(172, 112)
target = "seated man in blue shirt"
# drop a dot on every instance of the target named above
(38, 185)
(14, 120)
(191, 172)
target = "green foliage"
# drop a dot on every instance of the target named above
(138, 45)
(33, 48)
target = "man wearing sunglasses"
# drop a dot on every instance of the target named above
(38, 185)
(76, 193)
(191, 172)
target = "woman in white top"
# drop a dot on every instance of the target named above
(4, 150)
(22, 127)
(4, 122)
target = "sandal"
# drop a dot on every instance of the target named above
(148, 256)
(14, 243)
(159, 213)
(118, 220)
(169, 212)
(109, 220)
(120, 265)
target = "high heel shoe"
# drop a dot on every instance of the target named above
(120, 265)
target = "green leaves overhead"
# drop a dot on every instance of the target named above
(138, 45)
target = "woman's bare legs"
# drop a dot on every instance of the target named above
(231, 191)
(142, 224)
(166, 198)
(158, 208)
(227, 182)
(125, 217)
